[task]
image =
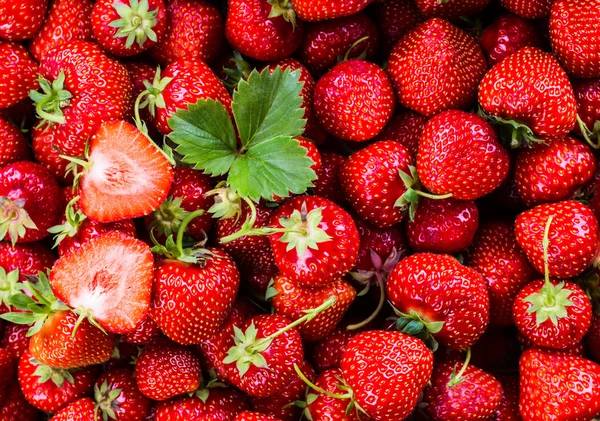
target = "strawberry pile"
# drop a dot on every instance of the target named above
(275, 210)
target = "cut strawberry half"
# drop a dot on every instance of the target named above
(126, 176)
(109, 279)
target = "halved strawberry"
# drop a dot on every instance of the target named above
(108, 278)
(126, 175)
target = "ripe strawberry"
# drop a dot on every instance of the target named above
(551, 381)
(496, 255)
(509, 405)
(194, 30)
(30, 201)
(143, 333)
(506, 35)
(376, 363)
(15, 340)
(51, 389)
(254, 416)
(20, 21)
(325, 43)
(252, 31)
(309, 10)
(405, 127)
(354, 100)
(324, 251)
(441, 57)
(471, 163)
(327, 184)
(450, 10)
(441, 298)
(528, 9)
(443, 225)
(14, 145)
(394, 19)
(222, 404)
(175, 365)
(573, 38)
(372, 171)
(16, 408)
(7, 374)
(67, 20)
(28, 258)
(80, 410)
(328, 352)
(587, 94)
(118, 397)
(18, 73)
(573, 237)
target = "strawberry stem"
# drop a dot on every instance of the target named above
(353, 46)
(380, 304)
(457, 378)
(317, 388)
(587, 133)
(184, 225)
(410, 198)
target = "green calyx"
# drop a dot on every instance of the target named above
(239, 70)
(409, 201)
(71, 226)
(78, 165)
(588, 134)
(303, 231)
(167, 219)
(415, 325)
(14, 219)
(107, 400)
(9, 286)
(57, 375)
(227, 203)
(513, 133)
(50, 102)
(152, 96)
(457, 378)
(135, 23)
(284, 9)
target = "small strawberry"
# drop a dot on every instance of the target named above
(18, 73)
(118, 397)
(528, 9)
(405, 127)
(80, 410)
(450, 10)
(254, 416)
(309, 10)
(28, 258)
(20, 21)
(327, 184)
(441, 57)
(14, 145)
(394, 19)
(16, 408)
(218, 404)
(354, 100)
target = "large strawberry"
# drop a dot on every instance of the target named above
(436, 67)
(21, 20)
(18, 73)
(310, 10)
(118, 397)
(219, 403)
(14, 145)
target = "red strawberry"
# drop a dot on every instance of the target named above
(254, 416)
(460, 154)
(354, 100)
(194, 30)
(327, 249)
(443, 225)
(80, 410)
(587, 94)
(325, 43)
(394, 19)
(16, 408)
(528, 9)
(143, 333)
(7, 374)
(371, 180)
(18, 73)
(20, 21)
(51, 389)
(405, 127)
(328, 352)
(444, 299)
(573, 36)
(309, 10)
(30, 202)
(509, 405)
(450, 10)
(128, 27)
(573, 237)
(14, 145)
(386, 371)
(496, 255)
(14, 339)
(506, 35)
(67, 20)
(551, 381)
(28, 258)
(118, 397)
(441, 57)
(327, 184)
(221, 404)
(175, 365)
(250, 30)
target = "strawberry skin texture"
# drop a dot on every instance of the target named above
(573, 237)
(180, 286)
(250, 31)
(310, 10)
(29, 258)
(405, 127)
(376, 363)
(509, 405)
(327, 184)
(371, 181)
(90, 229)
(14, 339)
(21, 20)
(394, 19)
(382, 241)
(131, 403)
(528, 9)
(80, 410)
(450, 10)
(68, 20)
(18, 73)
(496, 255)
(587, 94)
(574, 36)
(459, 153)
(440, 289)
(441, 57)
(318, 267)
(14, 145)
(328, 352)
(143, 333)
(16, 408)
(552, 381)
(254, 416)
(354, 100)
(222, 404)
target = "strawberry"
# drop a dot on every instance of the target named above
(67, 20)
(118, 397)
(51, 389)
(450, 10)
(573, 237)
(394, 19)
(256, 32)
(443, 225)
(554, 171)
(469, 150)
(327, 184)
(16, 408)
(372, 171)
(573, 38)
(506, 35)
(328, 352)
(325, 250)
(194, 29)
(30, 200)
(175, 365)
(80, 410)
(254, 416)
(28, 258)
(384, 242)
(496, 255)
(354, 100)
(442, 57)
(222, 404)
(20, 21)
(15, 340)
(405, 127)
(528, 9)
(325, 43)
(438, 298)
(551, 381)
(143, 333)
(14, 145)
(376, 363)
(126, 28)
(509, 405)
(309, 10)
(510, 94)
(7, 374)
(18, 73)
(587, 94)
(592, 338)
